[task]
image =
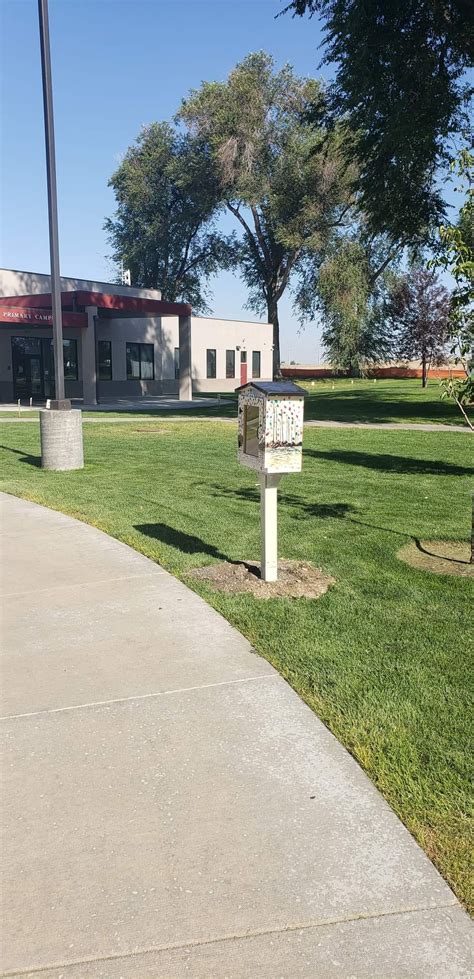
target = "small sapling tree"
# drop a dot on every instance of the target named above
(418, 310)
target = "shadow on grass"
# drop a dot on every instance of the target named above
(30, 460)
(389, 463)
(303, 511)
(186, 543)
(324, 511)
(443, 557)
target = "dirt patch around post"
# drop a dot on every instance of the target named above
(438, 556)
(296, 579)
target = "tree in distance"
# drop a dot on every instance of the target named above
(281, 173)
(164, 229)
(419, 309)
(399, 84)
(353, 284)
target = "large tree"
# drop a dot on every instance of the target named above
(352, 289)
(164, 229)
(399, 83)
(281, 175)
(418, 310)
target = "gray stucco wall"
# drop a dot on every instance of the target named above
(131, 329)
(15, 283)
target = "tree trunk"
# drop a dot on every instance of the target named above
(423, 371)
(272, 307)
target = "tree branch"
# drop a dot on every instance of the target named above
(386, 261)
(461, 408)
(337, 224)
(261, 237)
(253, 244)
(284, 274)
(182, 264)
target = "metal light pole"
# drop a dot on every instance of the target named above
(52, 205)
(61, 430)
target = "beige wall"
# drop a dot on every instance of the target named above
(14, 283)
(219, 335)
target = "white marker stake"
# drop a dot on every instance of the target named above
(269, 526)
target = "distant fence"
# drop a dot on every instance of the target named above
(311, 372)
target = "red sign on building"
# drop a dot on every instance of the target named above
(38, 317)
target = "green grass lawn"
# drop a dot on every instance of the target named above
(366, 400)
(343, 400)
(363, 400)
(383, 656)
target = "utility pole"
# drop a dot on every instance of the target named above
(52, 205)
(60, 427)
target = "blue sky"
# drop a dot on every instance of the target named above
(118, 64)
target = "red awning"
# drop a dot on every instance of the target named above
(103, 300)
(132, 304)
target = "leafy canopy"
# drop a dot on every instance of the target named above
(455, 254)
(399, 67)
(164, 229)
(351, 296)
(281, 173)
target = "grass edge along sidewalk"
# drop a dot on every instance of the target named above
(382, 658)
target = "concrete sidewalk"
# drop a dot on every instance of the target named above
(312, 423)
(159, 402)
(170, 807)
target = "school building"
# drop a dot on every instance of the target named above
(120, 342)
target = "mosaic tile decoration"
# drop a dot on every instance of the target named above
(280, 432)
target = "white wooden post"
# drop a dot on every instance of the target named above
(269, 526)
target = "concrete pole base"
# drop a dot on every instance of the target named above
(61, 439)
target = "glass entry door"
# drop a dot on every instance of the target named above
(27, 363)
(36, 386)
(33, 366)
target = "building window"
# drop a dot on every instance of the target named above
(255, 363)
(104, 360)
(230, 363)
(176, 363)
(140, 362)
(211, 363)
